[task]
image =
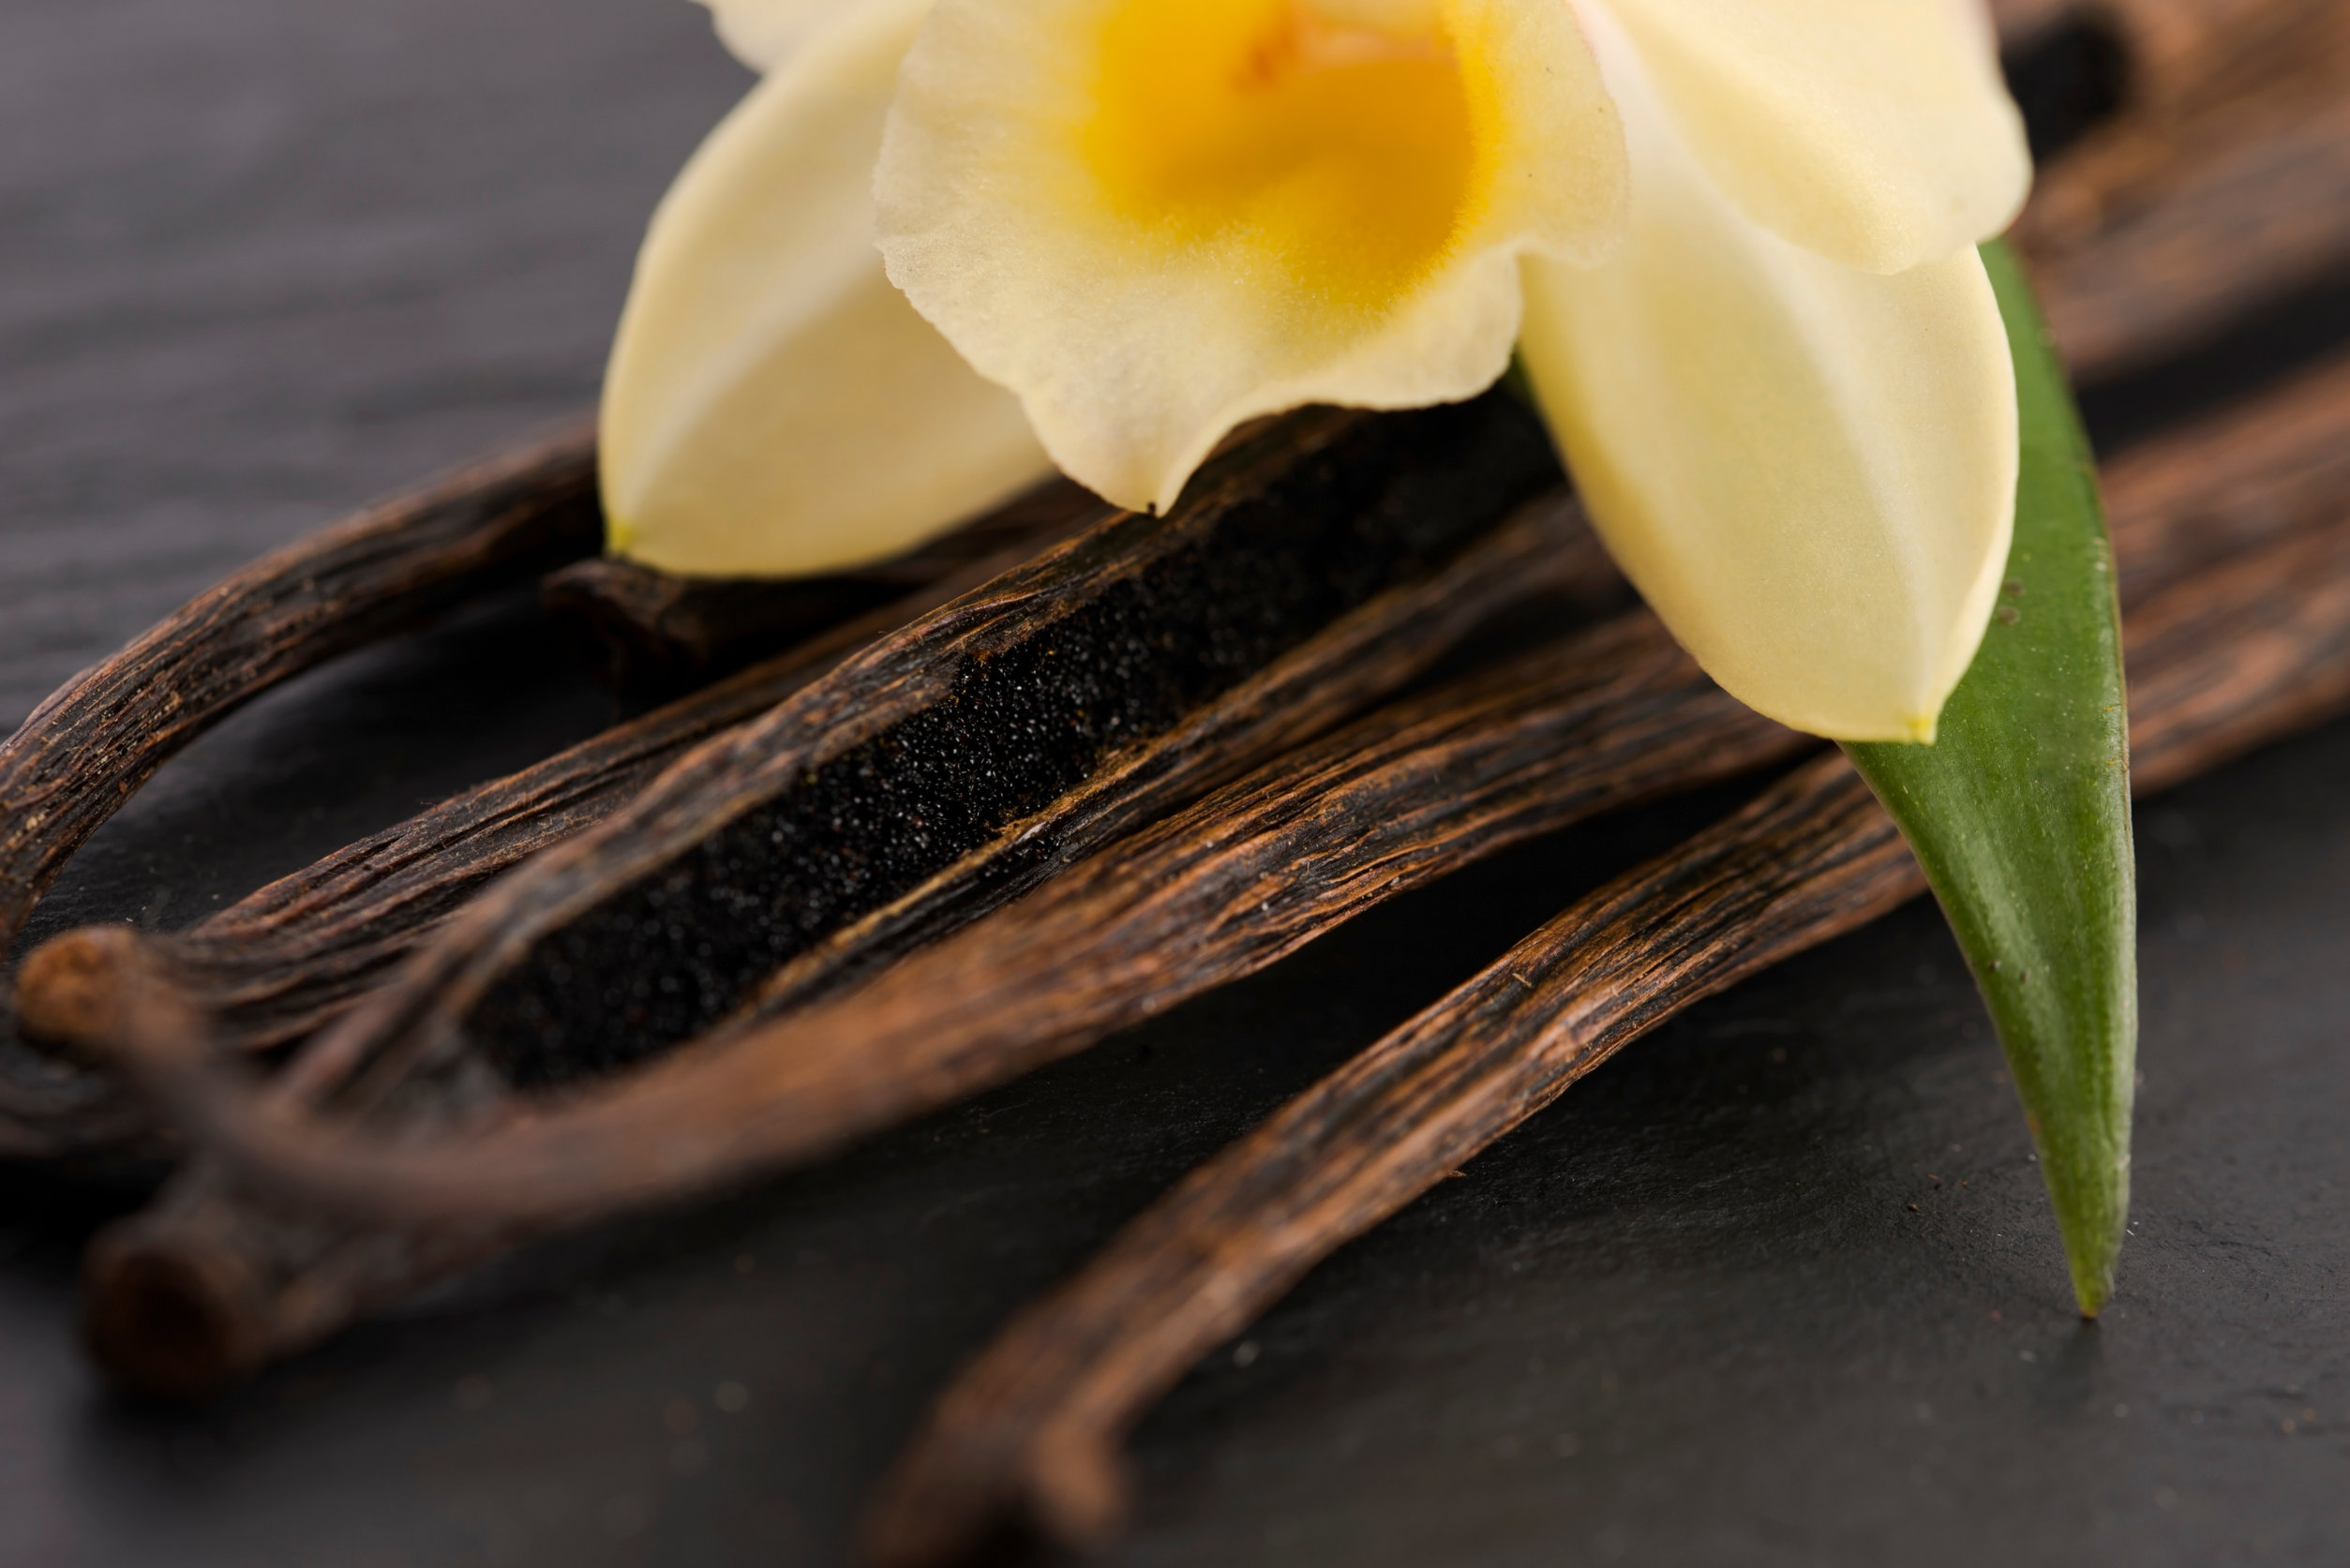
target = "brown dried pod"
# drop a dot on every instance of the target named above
(2161, 228)
(1542, 553)
(2274, 465)
(1233, 883)
(2277, 463)
(281, 964)
(1308, 572)
(84, 752)
(286, 960)
(1228, 885)
(1028, 1436)
(2224, 662)
(290, 958)
(1246, 876)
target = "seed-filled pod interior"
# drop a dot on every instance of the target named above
(1069, 677)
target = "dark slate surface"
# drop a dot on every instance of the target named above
(261, 259)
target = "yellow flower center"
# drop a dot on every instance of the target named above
(1336, 141)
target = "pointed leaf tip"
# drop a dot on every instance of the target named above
(2022, 822)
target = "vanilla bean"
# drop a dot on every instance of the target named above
(210, 1285)
(2158, 232)
(280, 963)
(1411, 492)
(991, 742)
(304, 1279)
(2275, 465)
(2241, 476)
(365, 909)
(1600, 720)
(2241, 654)
(1238, 880)
(90, 746)
(286, 960)
(103, 733)
(1247, 874)
(293, 1280)
(2253, 649)
(1027, 1436)
(1541, 695)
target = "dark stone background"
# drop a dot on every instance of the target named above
(262, 259)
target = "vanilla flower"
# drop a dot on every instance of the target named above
(1732, 240)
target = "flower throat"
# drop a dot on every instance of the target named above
(1336, 144)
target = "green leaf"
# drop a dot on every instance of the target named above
(2020, 814)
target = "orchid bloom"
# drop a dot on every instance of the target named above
(947, 245)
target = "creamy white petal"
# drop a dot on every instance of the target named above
(1027, 211)
(1808, 470)
(1876, 133)
(774, 407)
(762, 34)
